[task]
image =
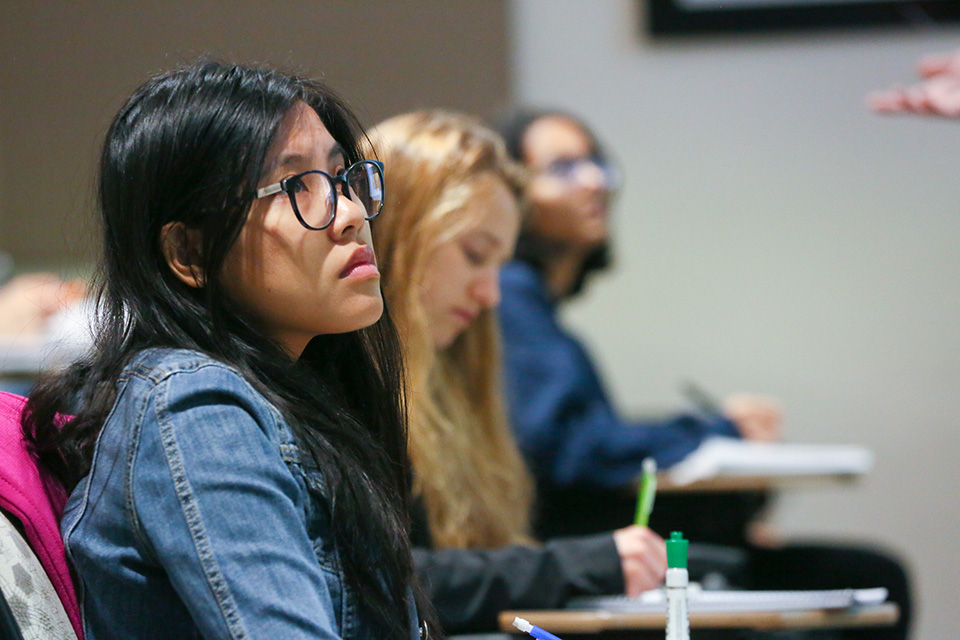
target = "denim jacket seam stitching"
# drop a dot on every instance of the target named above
(81, 512)
(208, 563)
(290, 453)
(129, 498)
(161, 375)
(157, 375)
(141, 367)
(347, 610)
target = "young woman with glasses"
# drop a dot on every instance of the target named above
(450, 223)
(236, 454)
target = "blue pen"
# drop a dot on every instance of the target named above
(536, 632)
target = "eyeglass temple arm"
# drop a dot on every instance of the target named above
(269, 190)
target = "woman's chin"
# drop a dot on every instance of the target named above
(362, 313)
(373, 314)
(443, 339)
(595, 233)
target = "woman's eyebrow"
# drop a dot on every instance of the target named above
(337, 150)
(487, 237)
(285, 161)
(300, 161)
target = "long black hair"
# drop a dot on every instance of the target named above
(531, 248)
(189, 146)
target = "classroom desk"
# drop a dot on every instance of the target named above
(595, 622)
(754, 482)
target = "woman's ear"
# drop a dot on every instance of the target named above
(181, 249)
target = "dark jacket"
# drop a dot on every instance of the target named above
(564, 422)
(469, 587)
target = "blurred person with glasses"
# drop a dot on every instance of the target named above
(585, 457)
(561, 414)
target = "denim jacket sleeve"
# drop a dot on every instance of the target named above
(217, 507)
(565, 424)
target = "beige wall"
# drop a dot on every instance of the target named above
(775, 236)
(64, 71)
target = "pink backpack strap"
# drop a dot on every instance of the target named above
(33, 496)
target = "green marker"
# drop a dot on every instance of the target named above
(678, 618)
(648, 490)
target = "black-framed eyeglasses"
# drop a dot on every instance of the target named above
(571, 170)
(313, 194)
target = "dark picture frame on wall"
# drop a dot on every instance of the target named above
(677, 17)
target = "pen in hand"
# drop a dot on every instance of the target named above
(704, 402)
(755, 417)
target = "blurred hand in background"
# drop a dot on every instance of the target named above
(938, 94)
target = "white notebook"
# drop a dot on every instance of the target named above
(732, 457)
(699, 600)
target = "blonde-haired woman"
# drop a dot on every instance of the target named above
(453, 221)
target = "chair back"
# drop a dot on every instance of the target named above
(33, 603)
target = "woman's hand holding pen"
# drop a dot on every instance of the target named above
(643, 558)
(756, 417)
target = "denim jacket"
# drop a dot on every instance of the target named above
(199, 518)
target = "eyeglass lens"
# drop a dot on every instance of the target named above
(573, 169)
(366, 187)
(313, 197)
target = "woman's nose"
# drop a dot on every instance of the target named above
(350, 216)
(591, 176)
(487, 289)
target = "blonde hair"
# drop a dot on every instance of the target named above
(467, 468)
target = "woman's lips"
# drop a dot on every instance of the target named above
(466, 317)
(362, 264)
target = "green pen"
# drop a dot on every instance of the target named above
(648, 490)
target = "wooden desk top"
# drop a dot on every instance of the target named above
(592, 622)
(753, 483)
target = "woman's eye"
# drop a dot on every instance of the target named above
(562, 167)
(294, 185)
(474, 257)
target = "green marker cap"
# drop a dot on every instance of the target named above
(677, 551)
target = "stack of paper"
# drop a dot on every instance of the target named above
(716, 601)
(732, 457)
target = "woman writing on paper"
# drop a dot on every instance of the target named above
(451, 221)
(564, 422)
(582, 453)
